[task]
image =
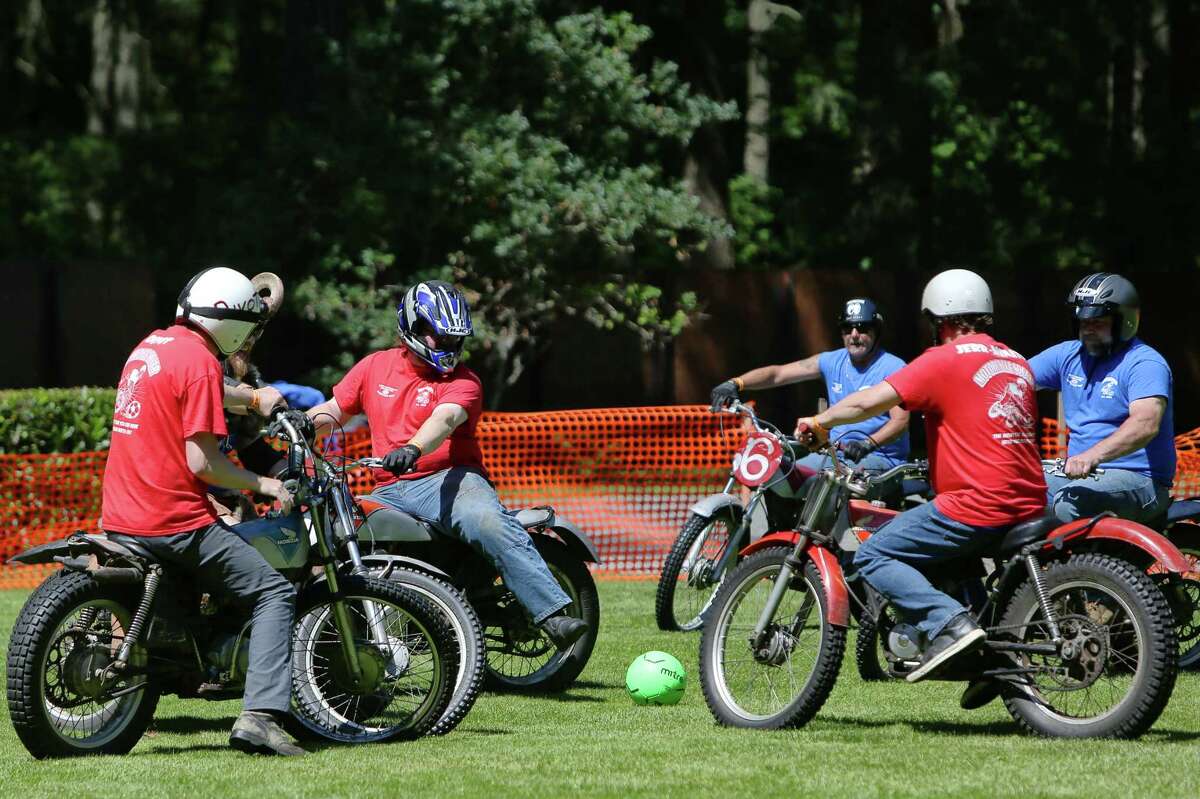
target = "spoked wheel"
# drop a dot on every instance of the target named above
(1117, 663)
(458, 613)
(70, 629)
(869, 643)
(520, 657)
(782, 680)
(689, 579)
(406, 654)
(1186, 600)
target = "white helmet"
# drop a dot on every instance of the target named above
(225, 304)
(956, 292)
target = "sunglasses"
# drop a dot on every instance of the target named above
(861, 327)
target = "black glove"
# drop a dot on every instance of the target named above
(724, 395)
(402, 460)
(859, 448)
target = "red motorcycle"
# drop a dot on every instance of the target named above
(1080, 639)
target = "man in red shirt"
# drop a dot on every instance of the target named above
(167, 420)
(423, 407)
(980, 415)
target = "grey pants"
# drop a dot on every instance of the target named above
(223, 564)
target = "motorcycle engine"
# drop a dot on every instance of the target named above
(230, 654)
(904, 642)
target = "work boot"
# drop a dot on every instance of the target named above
(961, 634)
(255, 731)
(564, 630)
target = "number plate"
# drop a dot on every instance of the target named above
(758, 461)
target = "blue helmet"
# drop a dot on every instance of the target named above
(434, 321)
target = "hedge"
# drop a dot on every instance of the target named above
(43, 420)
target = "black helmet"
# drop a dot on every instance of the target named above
(1104, 293)
(862, 311)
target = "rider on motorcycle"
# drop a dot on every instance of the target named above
(166, 425)
(875, 444)
(423, 406)
(1117, 398)
(980, 415)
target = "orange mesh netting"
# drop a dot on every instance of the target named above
(626, 477)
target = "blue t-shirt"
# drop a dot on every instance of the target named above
(842, 377)
(1096, 393)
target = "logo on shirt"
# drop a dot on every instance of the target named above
(1108, 387)
(837, 388)
(424, 394)
(1075, 381)
(1012, 405)
(128, 404)
(386, 391)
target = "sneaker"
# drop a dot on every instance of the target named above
(258, 732)
(979, 693)
(564, 630)
(961, 634)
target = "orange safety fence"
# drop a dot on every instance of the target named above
(626, 477)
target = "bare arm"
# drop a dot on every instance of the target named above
(860, 405)
(325, 414)
(1145, 418)
(208, 463)
(893, 428)
(243, 398)
(783, 374)
(438, 427)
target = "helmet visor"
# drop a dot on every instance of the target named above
(1092, 311)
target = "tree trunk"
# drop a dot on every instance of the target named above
(757, 155)
(117, 52)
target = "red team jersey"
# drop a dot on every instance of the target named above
(171, 388)
(980, 428)
(398, 398)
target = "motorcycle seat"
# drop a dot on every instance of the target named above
(121, 546)
(1182, 509)
(1026, 533)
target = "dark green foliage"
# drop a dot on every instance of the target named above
(42, 420)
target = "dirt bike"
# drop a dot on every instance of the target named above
(518, 656)
(720, 525)
(99, 641)
(1080, 640)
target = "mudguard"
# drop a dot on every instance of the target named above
(389, 562)
(833, 583)
(1157, 547)
(715, 502)
(97, 543)
(576, 540)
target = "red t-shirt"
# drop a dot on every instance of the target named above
(980, 427)
(398, 396)
(171, 388)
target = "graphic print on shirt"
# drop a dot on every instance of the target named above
(424, 394)
(386, 391)
(1108, 387)
(1011, 400)
(128, 403)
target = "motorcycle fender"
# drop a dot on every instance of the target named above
(715, 502)
(389, 562)
(833, 584)
(42, 553)
(576, 540)
(1155, 545)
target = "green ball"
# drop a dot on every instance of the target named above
(655, 678)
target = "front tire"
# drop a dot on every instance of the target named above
(405, 683)
(1121, 628)
(70, 627)
(786, 682)
(520, 657)
(688, 582)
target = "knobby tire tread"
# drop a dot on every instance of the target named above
(668, 582)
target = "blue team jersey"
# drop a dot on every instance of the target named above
(842, 377)
(1096, 394)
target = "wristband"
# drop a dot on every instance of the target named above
(253, 399)
(740, 383)
(417, 447)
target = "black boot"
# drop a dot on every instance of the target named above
(961, 634)
(563, 630)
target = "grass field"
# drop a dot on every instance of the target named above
(870, 740)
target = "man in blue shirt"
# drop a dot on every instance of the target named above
(876, 444)
(1117, 399)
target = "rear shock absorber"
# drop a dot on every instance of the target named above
(1043, 596)
(134, 632)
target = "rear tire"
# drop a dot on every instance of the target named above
(50, 664)
(726, 657)
(686, 588)
(1122, 626)
(1186, 536)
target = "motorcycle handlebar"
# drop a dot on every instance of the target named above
(1055, 468)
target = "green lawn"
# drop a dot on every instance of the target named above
(869, 740)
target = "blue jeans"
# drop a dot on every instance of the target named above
(890, 561)
(465, 504)
(1128, 494)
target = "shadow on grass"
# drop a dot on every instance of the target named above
(1006, 728)
(185, 725)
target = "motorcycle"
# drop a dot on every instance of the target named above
(518, 656)
(720, 525)
(1080, 640)
(100, 641)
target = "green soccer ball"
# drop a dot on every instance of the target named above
(655, 678)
